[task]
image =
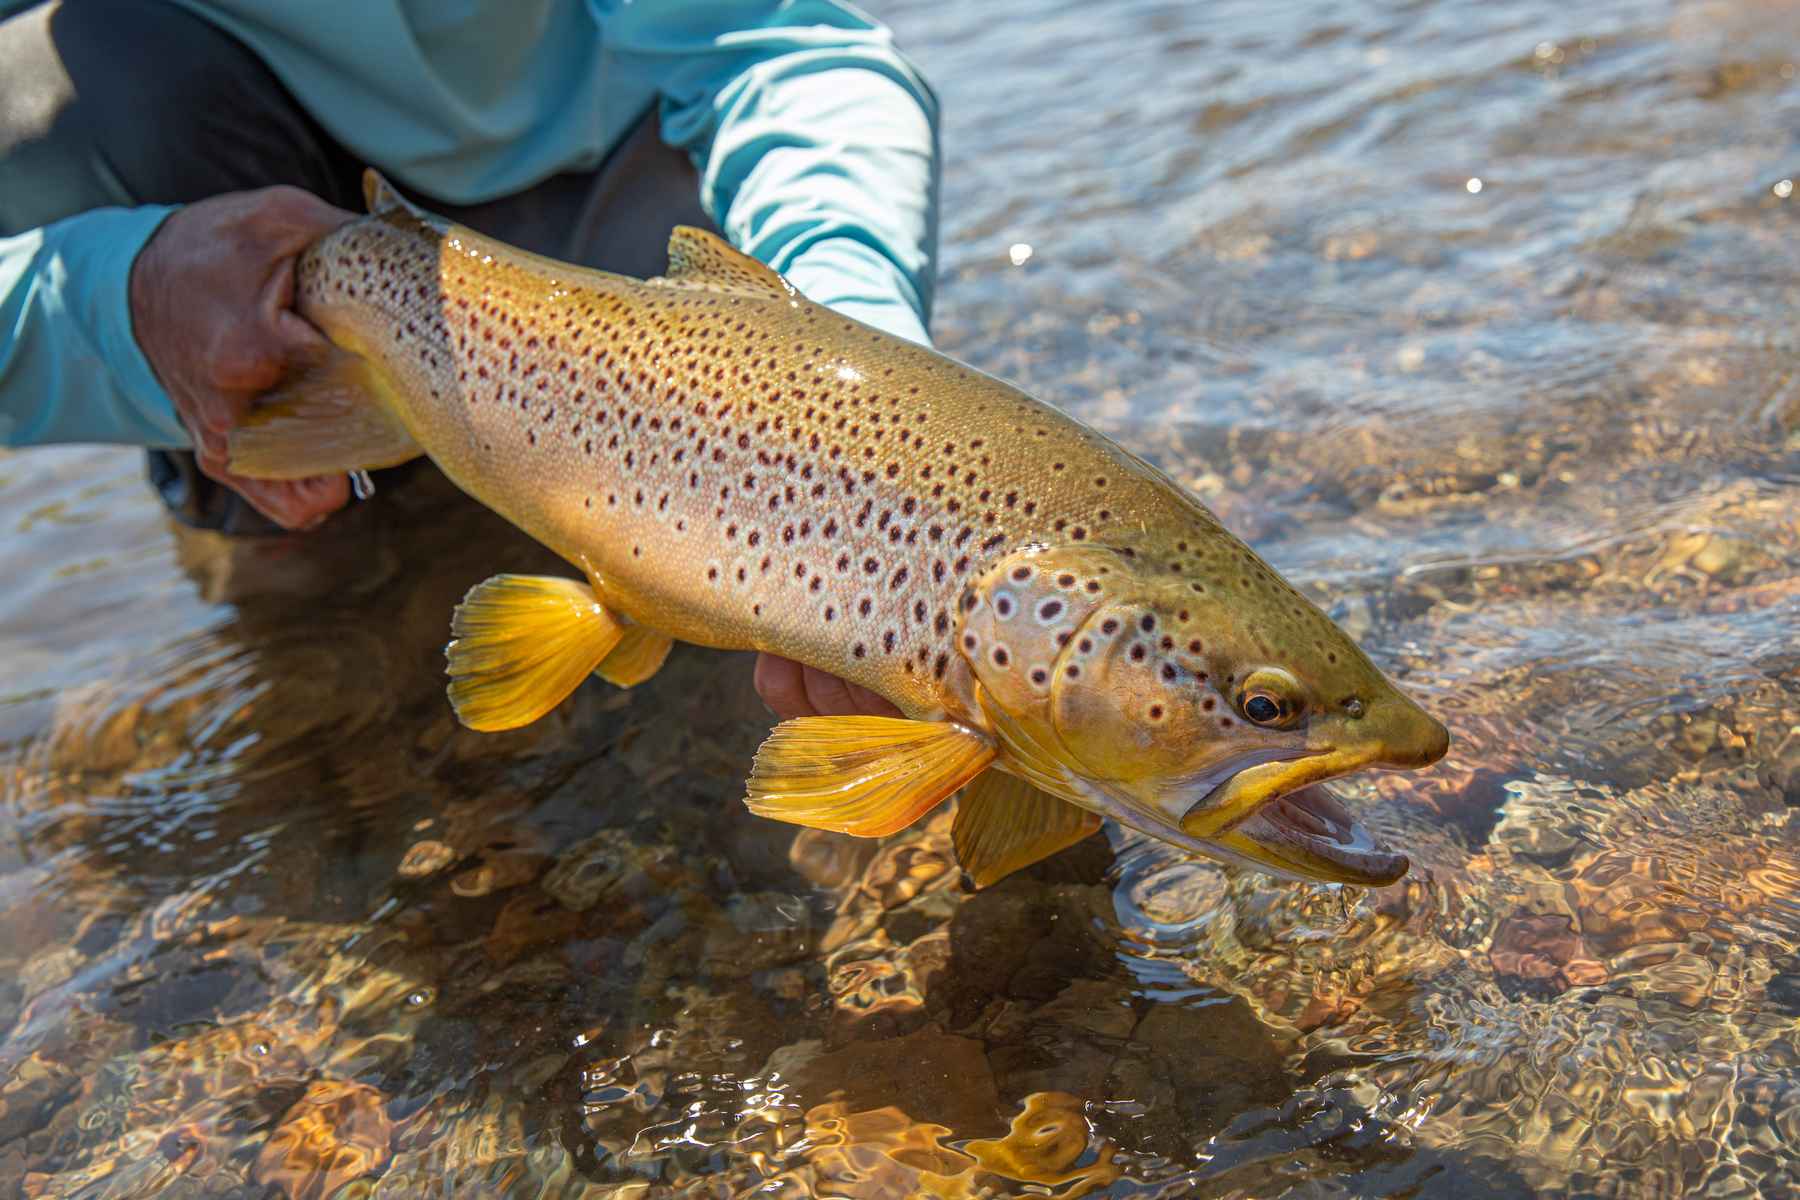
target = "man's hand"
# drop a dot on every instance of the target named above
(212, 298)
(796, 691)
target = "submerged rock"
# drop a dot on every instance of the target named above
(933, 1076)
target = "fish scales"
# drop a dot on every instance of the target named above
(1070, 636)
(744, 471)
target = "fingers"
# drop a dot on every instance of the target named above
(829, 695)
(779, 683)
(209, 419)
(322, 494)
(792, 690)
(274, 499)
(294, 504)
(212, 452)
(868, 703)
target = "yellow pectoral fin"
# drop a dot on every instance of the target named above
(638, 656)
(1003, 824)
(869, 776)
(522, 643)
(328, 418)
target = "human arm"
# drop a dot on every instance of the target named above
(816, 143)
(70, 368)
(158, 327)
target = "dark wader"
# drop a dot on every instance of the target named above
(128, 102)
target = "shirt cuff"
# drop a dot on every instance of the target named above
(97, 252)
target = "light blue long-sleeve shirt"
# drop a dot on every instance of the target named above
(815, 141)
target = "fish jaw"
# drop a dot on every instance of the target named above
(1278, 817)
(1307, 834)
(1274, 813)
(1213, 808)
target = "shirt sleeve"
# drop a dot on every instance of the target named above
(817, 146)
(70, 366)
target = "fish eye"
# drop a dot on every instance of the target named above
(1262, 709)
(1271, 698)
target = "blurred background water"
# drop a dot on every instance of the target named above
(1475, 318)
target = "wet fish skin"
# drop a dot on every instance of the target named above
(734, 466)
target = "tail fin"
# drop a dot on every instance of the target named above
(327, 419)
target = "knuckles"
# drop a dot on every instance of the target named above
(241, 354)
(289, 217)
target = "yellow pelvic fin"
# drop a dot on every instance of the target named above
(327, 418)
(1003, 824)
(523, 643)
(698, 259)
(637, 657)
(870, 776)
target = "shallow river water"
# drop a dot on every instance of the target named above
(1476, 319)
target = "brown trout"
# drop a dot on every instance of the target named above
(1069, 635)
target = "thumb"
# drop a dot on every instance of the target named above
(299, 340)
(296, 338)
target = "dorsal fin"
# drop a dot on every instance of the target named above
(698, 259)
(381, 197)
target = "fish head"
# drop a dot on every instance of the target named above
(1201, 705)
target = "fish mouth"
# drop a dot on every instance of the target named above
(1275, 814)
(1307, 833)
(1241, 787)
